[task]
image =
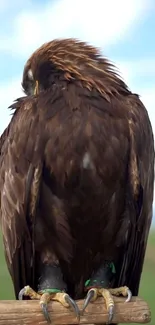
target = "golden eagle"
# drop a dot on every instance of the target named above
(76, 180)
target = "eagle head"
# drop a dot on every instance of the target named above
(71, 60)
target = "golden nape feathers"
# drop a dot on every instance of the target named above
(78, 61)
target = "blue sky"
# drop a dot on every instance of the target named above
(122, 29)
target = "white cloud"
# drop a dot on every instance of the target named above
(138, 68)
(100, 22)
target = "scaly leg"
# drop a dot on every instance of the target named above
(50, 279)
(98, 285)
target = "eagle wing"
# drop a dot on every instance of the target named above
(139, 196)
(18, 166)
(23, 175)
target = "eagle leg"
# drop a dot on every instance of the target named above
(99, 284)
(93, 293)
(61, 297)
(50, 279)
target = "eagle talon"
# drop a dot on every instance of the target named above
(45, 312)
(124, 291)
(110, 313)
(29, 292)
(73, 306)
(44, 300)
(129, 295)
(90, 296)
(105, 293)
(21, 294)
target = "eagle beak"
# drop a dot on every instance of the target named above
(36, 89)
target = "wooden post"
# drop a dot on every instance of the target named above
(29, 312)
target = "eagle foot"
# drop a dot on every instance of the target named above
(107, 294)
(45, 296)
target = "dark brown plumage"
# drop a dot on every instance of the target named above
(77, 172)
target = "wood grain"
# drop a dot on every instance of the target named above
(29, 312)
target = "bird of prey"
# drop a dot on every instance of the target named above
(76, 180)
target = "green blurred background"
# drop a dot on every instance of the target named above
(147, 288)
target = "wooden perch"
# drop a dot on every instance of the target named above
(29, 312)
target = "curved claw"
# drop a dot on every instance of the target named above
(129, 296)
(110, 313)
(21, 294)
(45, 312)
(73, 306)
(90, 296)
